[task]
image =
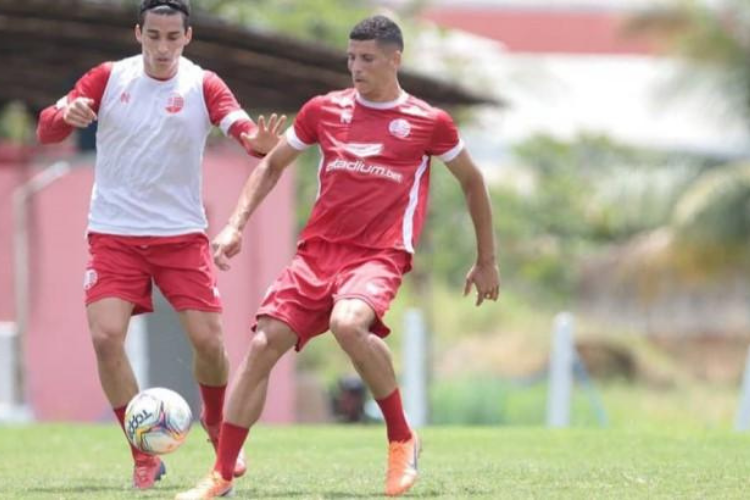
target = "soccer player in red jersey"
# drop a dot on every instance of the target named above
(146, 220)
(376, 141)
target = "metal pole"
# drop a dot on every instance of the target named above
(742, 420)
(560, 372)
(415, 368)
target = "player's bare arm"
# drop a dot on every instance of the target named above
(228, 242)
(79, 113)
(484, 275)
(266, 135)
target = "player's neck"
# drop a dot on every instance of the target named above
(386, 94)
(162, 77)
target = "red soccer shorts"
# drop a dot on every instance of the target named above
(125, 267)
(322, 273)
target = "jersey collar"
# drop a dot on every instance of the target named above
(382, 105)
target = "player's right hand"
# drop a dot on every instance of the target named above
(78, 112)
(226, 245)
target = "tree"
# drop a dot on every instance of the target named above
(711, 221)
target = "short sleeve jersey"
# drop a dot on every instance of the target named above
(374, 171)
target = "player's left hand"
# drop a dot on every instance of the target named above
(266, 135)
(226, 245)
(485, 277)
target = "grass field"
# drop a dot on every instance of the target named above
(90, 462)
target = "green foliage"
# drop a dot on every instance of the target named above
(712, 216)
(707, 35)
(16, 124)
(467, 402)
(484, 400)
(327, 21)
(587, 193)
(716, 208)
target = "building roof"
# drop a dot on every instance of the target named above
(45, 45)
(550, 29)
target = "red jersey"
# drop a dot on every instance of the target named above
(374, 172)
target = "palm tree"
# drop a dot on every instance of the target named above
(711, 220)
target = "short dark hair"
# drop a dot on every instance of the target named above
(165, 8)
(380, 29)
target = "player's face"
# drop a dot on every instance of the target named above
(374, 68)
(162, 39)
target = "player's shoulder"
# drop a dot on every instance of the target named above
(341, 98)
(129, 63)
(416, 107)
(189, 65)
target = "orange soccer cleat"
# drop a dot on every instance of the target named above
(402, 465)
(240, 467)
(147, 471)
(212, 486)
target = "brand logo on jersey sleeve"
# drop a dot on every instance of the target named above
(400, 128)
(343, 101)
(175, 103)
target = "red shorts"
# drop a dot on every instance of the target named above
(125, 267)
(322, 273)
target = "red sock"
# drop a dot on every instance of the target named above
(230, 443)
(395, 420)
(213, 403)
(120, 414)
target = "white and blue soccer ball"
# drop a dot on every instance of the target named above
(157, 421)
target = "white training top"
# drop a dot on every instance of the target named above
(150, 141)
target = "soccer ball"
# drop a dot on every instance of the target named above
(157, 421)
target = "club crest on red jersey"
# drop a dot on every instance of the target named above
(399, 128)
(175, 103)
(90, 279)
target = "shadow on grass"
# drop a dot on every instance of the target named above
(78, 489)
(258, 493)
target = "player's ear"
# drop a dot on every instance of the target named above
(189, 34)
(396, 59)
(138, 33)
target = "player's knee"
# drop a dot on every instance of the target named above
(108, 339)
(348, 332)
(209, 346)
(266, 345)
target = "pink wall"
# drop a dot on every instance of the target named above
(268, 246)
(62, 379)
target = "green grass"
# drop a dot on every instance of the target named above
(91, 462)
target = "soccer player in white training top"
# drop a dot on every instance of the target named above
(376, 141)
(146, 220)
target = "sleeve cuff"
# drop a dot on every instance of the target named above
(294, 140)
(229, 120)
(453, 152)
